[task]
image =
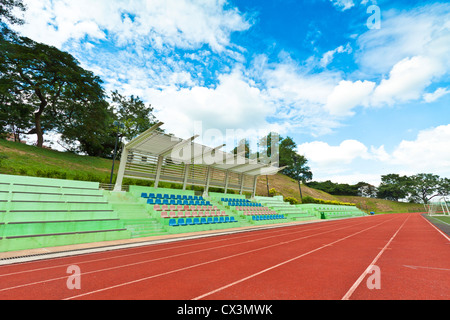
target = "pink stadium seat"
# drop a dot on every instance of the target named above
(164, 214)
(180, 214)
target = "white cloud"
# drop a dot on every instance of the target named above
(174, 23)
(347, 95)
(433, 96)
(324, 155)
(300, 96)
(343, 4)
(429, 153)
(352, 161)
(407, 80)
(232, 104)
(423, 31)
(328, 56)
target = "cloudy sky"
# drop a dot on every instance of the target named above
(363, 87)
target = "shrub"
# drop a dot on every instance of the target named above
(309, 199)
(272, 192)
(291, 200)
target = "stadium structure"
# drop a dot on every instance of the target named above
(37, 213)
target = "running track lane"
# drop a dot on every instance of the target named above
(329, 260)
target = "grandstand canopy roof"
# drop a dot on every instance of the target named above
(167, 150)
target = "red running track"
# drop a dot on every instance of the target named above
(399, 256)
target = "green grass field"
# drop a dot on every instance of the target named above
(444, 219)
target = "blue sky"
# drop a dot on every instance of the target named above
(359, 102)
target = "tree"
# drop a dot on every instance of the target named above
(287, 152)
(133, 114)
(7, 16)
(366, 190)
(300, 171)
(423, 187)
(297, 167)
(393, 187)
(63, 96)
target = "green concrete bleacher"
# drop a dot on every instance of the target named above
(292, 212)
(41, 212)
(310, 211)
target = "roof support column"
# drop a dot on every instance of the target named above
(121, 172)
(158, 170)
(254, 187)
(186, 174)
(208, 179)
(226, 181)
(241, 190)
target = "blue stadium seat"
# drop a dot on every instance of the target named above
(173, 223)
(144, 195)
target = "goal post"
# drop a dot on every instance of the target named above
(438, 208)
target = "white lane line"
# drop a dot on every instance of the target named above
(370, 267)
(445, 236)
(283, 263)
(144, 252)
(166, 257)
(205, 263)
(428, 268)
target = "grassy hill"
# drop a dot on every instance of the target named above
(21, 159)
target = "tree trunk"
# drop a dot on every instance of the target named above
(300, 189)
(37, 118)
